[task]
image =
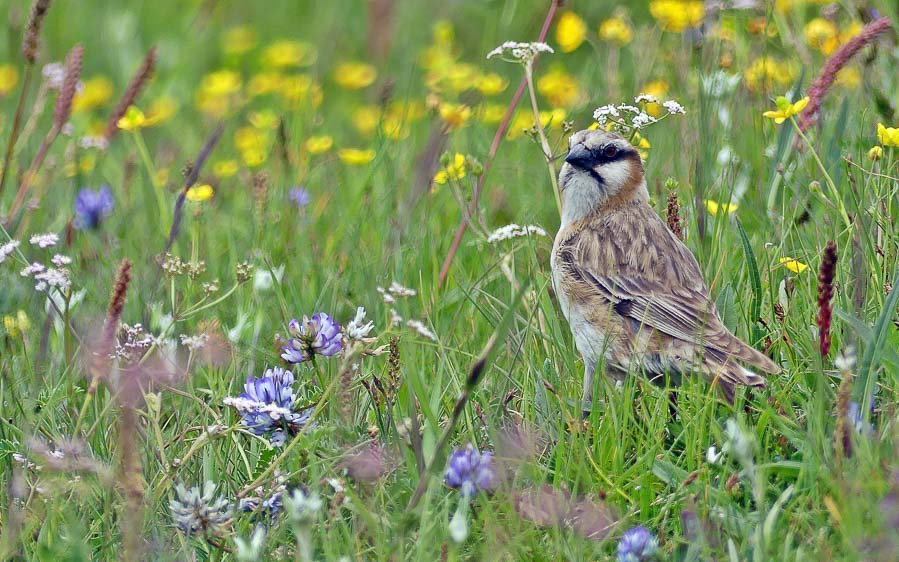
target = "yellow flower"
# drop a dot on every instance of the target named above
(238, 40)
(876, 152)
(849, 77)
(821, 34)
(454, 114)
(265, 119)
(356, 156)
(9, 77)
(455, 170)
(287, 54)
(161, 110)
(492, 84)
(657, 88)
(715, 207)
(354, 75)
(95, 92)
(677, 15)
(301, 88)
(225, 168)
(366, 119)
(570, 32)
(394, 126)
(319, 144)
(218, 91)
(265, 83)
(252, 143)
(889, 136)
(133, 120)
(200, 192)
(559, 88)
(452, 76)
(16, 325)
(785, 109)
(766, 72)
(793, 264)
(492, 113)
(616, 30)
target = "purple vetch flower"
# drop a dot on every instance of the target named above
(91, 207)
(469, 471)
(300, 197)
(319, 335)
(636, 545)
(267, 406)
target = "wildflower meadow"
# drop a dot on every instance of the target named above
(275, 280)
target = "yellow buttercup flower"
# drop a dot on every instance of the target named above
(354, 75)
(161, 109)
(319, 144)
(452, 76)
(766, 72)
(888, 136)
(238, 40)
(252, 143)
(570, 32)
(785, 109)
(876, 153)
(455, 170)
(16, 326)
(200, 192)
(95, 92)
(559, 88)
(133, 120)
(301, 88)
(366, 119)
(288, 54)
(821, 34)
(714, 207)
(492, 84)
(356, 156)
(454, 114)
(265, 119)
(225, 168)
(677, 15)
(658, 89)
(492, 113)
(616, 30)
(793, 264)
(9, 77)
(265, 83)
(218, 92)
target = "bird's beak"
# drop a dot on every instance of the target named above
(579, 156)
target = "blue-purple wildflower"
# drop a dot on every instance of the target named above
(92, 207)
(469, 471)
(319, 335)
(267, 406)
(300, 197)
(636, 545)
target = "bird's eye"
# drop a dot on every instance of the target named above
(610, 151)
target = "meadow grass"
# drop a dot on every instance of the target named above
(96, 439)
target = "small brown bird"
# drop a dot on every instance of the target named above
(631, 291)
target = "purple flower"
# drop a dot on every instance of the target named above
(636, 545)
(300, 197)
(91, 207)
(856, 417)
(469, 471)
(267, 406)
(319, 335)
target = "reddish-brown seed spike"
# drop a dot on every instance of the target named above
(837, 61)
(70, 83)
(116, 304)
(673, 215)
(825, 294)
(140, 79)
(33, 30)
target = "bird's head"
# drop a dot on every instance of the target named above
(602, 169)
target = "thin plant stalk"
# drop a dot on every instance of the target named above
(541, 134)
(16, 124)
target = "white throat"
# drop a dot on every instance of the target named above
(581, 196)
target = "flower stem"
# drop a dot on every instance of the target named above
(541, 134)
(833, 188)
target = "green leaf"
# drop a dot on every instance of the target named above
(874, 350)
(755, 305)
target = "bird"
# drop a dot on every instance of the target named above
(632, 292)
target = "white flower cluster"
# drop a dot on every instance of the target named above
(395, 290)
(358, 329)
(245, 405)
(44, 240)
(7, 249)
(626, 116)
(514, 231)
(519, 52)
(194, 342)
(47, 277)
